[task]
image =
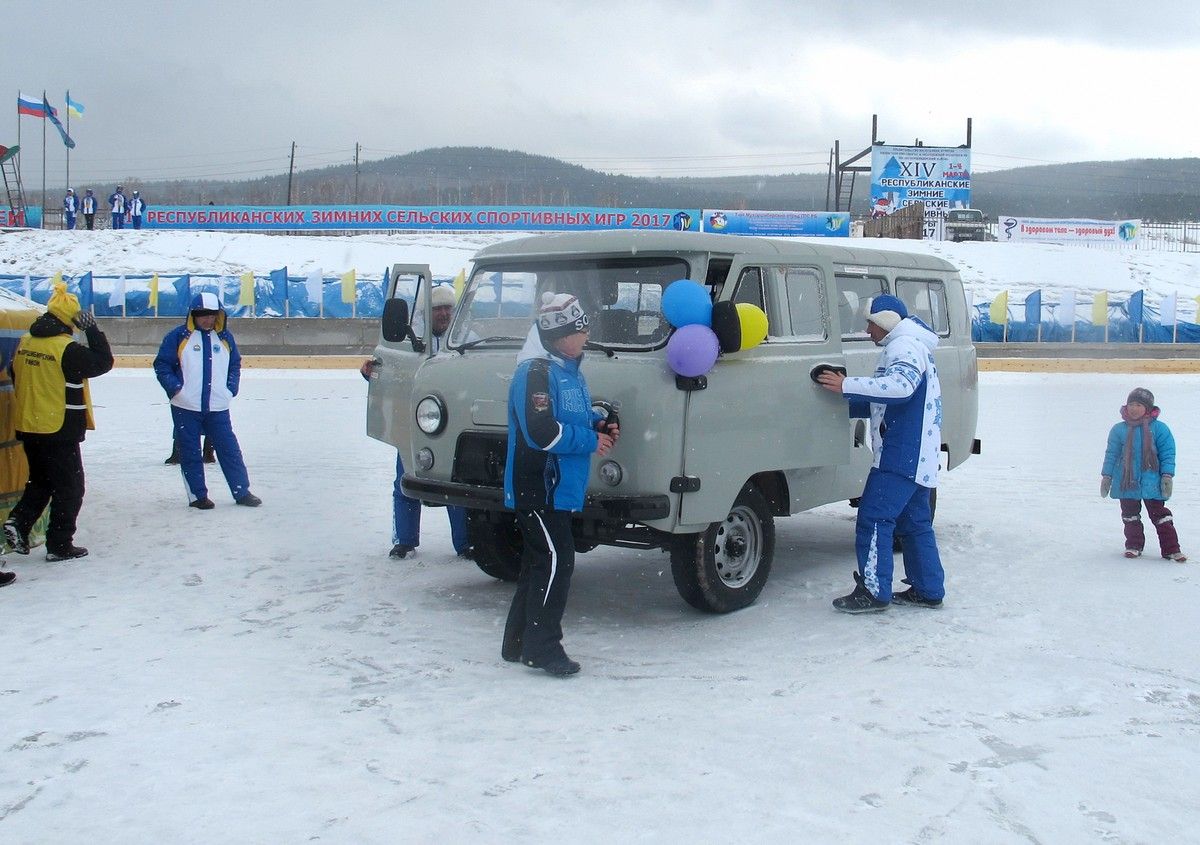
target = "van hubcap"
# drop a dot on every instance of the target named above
(738, 548)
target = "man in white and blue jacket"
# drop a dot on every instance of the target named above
(552, 433)
(199, 367)
(70, 209)
(904, 401)
(137, 207)
(116, 207)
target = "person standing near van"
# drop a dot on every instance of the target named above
(552, 432)
(406, 511)
(88, 206)
(200, 368)
(904, 401)
(116, 206)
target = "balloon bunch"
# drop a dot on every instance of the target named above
(703, 330)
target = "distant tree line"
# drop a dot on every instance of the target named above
(1150, 189)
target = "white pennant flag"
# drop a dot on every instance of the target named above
(1166, 313)
(314, 285)
(116, 297)
(1065, 315)
(28, 287)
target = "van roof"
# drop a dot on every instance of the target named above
(616, 243)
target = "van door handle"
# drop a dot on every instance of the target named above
(825, 368)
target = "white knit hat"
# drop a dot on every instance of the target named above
(442, 295)
(560, 315)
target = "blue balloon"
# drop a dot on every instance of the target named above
(686, 303)
(692, 350)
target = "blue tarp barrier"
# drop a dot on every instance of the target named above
(1121, 329)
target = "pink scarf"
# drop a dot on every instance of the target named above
(1149, 452)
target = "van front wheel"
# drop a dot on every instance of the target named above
(496, 544)
(724, 568)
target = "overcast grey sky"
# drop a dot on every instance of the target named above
(220, 89)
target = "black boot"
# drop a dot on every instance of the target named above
(7, 578)
(18, 540)
(67, 552)
(210, 454)
(859, 601)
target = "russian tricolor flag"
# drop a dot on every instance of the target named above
(30, 106)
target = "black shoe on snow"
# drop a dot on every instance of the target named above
(559, 666)
(400, 551)
(7, 578)
(17, 541)
(172, 461)
(510, 649)
(65, 553)
(914, 599)
(859, 601)
(250, 500)
(205, 504)
(210, 457)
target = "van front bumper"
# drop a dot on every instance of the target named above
(478, 497)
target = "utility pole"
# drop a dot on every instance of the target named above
(357, 147)
(291, 170)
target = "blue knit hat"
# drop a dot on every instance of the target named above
(887, 312)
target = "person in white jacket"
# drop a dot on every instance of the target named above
(200, 368)
(904, 401)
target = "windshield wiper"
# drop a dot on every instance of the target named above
(471, 344)
(607, 350)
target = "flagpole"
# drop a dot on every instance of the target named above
(68, 108)
(45, 120)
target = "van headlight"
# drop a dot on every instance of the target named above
(431, 415)
(610, 473)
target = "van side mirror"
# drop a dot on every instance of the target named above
(395, 320)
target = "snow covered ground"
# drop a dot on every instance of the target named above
(270, 676)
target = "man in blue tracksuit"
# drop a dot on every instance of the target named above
(552, 432)
(137, 207)
(70, 209)
(199, 367)
(116, 206)
(904, 401)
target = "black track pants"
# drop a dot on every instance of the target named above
(55, 478)
(546, 567)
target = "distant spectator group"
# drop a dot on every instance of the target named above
(122, 209)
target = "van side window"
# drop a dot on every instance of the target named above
(926, 300)
(718, 273)
(854, 298)
(806, 302)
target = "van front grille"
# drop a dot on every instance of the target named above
(479, 458)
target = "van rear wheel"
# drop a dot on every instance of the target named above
(496, 544)
(724, 568)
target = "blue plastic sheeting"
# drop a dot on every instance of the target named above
(175, 292)
(1121, 329)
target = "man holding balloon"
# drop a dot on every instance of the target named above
(904, 401)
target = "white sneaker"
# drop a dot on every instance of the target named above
(1133, 553)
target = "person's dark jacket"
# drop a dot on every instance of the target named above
(79, 362)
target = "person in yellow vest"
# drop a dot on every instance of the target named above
(50, 372)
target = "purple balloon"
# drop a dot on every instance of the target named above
(693, 350)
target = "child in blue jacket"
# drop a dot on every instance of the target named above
(1141, 456)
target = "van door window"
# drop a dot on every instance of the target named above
(409, 288)
(854, 298)
(806, 303)
(750, 290)
(926, 300)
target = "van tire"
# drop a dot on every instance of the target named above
(496, 544)
(724, 568)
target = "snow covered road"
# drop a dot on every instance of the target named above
(270, 676)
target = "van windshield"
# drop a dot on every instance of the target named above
(621, 296)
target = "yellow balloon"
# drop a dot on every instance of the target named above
(754, 324)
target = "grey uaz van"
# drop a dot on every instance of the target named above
(705, 465)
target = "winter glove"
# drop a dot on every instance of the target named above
(85, 320)
(1105, 485)
(1167, 483)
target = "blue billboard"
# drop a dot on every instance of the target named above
(826, 224)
